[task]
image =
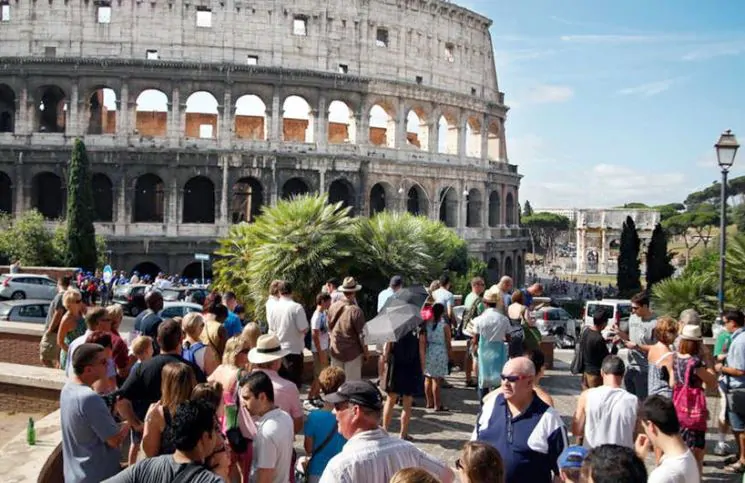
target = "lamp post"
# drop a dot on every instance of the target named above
(726, 149)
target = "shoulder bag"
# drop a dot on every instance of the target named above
(301, 476)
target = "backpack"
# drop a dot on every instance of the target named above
(467, 319)
(578, 362)
(689, 402)
(190, 353)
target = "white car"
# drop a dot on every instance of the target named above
(178, 309)
(19, 286)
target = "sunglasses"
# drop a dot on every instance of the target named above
(513, 379)
(342, 406)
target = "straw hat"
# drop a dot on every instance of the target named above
(691, 332)
(492, 295)
(267, 349)
(349, 285)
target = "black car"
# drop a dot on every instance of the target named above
(131, 298)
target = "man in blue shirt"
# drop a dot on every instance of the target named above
(734, 323)
(394, 286)
(528, 433)
(233, 323)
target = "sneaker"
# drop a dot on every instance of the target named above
(721, 449)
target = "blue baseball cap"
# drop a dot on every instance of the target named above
(572, 457)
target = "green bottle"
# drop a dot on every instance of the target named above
(31, 432)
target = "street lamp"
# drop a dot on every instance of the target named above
(726, 149)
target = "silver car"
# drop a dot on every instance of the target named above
(19, 286)
(178, 309)
(32, 310)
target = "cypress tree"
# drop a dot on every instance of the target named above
(658, 259)
(629, 274)
(81, 235)
(527, 209)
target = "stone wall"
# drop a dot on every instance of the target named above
(28, 399)
(20, 348)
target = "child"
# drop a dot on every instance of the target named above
(142, 349)
(570, 463)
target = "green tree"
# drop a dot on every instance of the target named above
(527, 209)
(81, 235)
(738, 217)
(658, 258)
(629, 275)
(27, 239)
(669, 210)
(544, 228)
(693, 226)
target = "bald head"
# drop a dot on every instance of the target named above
(519, 366)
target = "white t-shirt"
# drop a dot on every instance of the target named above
(288, 322)
(491, 325)
(445, 297)
(610, 417)
(678, 469)
(319, 321)
(272, 445)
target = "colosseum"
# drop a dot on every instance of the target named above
(198, 113)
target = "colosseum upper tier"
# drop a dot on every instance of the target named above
(198, 113)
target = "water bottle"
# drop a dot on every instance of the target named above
(30, 432)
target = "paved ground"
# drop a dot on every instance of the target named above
(443, 435)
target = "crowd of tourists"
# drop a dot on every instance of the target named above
(211, 397)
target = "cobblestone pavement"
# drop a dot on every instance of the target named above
(442, 434)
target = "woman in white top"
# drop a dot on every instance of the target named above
(195, 350)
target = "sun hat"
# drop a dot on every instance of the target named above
(363, 393)
(492, 296)
(691, 332)
(267, 349)
(349, 285)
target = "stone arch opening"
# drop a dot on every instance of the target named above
(151, 113)
(51, 112)
(382, 126)
(342, 191)
(6, 194)
(199, 200)
(447, 135)
(417, 130)
(247, 200)
(103, 198)
(508, 270)
(294, 187)
(493, 141)
(473, 209)
(297, 120)
(342, 126)
(193, 271)
(201, 116)
(495, 208)
(473, 137)
(378, 199)
(149, 199)
(250, 118)
(48, 195)
(416, 201)
(449, 207)
(102, 111)
(492, 271)
(510, 208)
(7, 108)
(147, 268)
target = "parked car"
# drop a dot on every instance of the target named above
(30, 310)
(619, 311)
(178, 309)
(174, 294)
(131, 298)
(19, 286)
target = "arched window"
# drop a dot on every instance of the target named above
(102, 111)
(52, 110)
(250, 118)
(294, 187)
(6, 193)
(7, 108)
(199, 200)
(342, 190)
(473, 209)
(378, 199)
(148, 200)
(510, 209)
(151, 113)
(495, 208)
(247, 200)
(103, 198)
(449, 207)
(48, 195)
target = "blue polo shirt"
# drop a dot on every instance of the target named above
(233, 324)
(529, 443)
(736, 358)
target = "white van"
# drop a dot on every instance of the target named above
(619, 311)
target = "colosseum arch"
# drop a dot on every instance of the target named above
(473, 209)
(380, 197)
(473, 137)
(294, 187)
(492, 271)
(147, 268)
(51, 112)
(416, 201)
(449, 207)
(297, 120)
(342, 126)
(382, 125)
(193, 271)
(510, 209)
(199, 200)
(7, 108)
(103, 198)
(447, 134)
(341, 190)
(250, 118)
(493, 140)
(151, 113)
(508, 270)
(102, 111)
(495, 209)
(201, 116)
(246, 200)
(48, 195)
(149, 199)
(6, 193)
(417, 129)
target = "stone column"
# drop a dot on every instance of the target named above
(322, 180)
(122, 115)
(73, 122)
(224, 195)
(400, 139)
(23, 118)
(174, 118)
(274, 186)
(172, 218)
(433, 135)
(603, 252)
(226, 112)
(462, 137)
(20, 189)
(463, 207)
(120, 219)
(275, 132)
(362, 123)
(502, 142)
(320, 123)
(503, 207)
(581, 250)
(485, 139)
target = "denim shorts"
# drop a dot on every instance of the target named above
(736, 421)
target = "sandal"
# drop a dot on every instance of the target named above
(737, 467)
(442, 409)
(407, 438)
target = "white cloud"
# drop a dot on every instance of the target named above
(608, 39)
(713, 50)
(546, 93)
(649, 89)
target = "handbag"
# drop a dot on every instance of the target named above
(689, 402)
(237, 441)
(578, 362)
(301, 474)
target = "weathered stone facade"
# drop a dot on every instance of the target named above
(165, 190)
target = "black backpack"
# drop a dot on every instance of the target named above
(468, 316)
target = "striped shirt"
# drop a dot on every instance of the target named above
(374, 457)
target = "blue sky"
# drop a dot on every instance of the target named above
(613, 102)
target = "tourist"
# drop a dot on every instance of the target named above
(474, 307)
(413, 475)
(96, 318)
(535, 290)
(539, 362)
(444, 296)
(273, 297)
(396, 283)
(660, 358)
(177, 383)
(606, 414)
(691, 370)
(319, 326)
(346, 324)
(639, 338)
(402, 378)
(480, 463)
(232, 323)
(371, 455)
(504, 287)
(48, 348)
(272, 444)
(610, 463)
(662, 430)
(250, 334)
(214, 333)
(72, 324)
(289, 323)
(490, 332)
(570, 463)
(594, 349)
(322, 439)
(91, 438)
(434, 351)
(148, 321)
(221, 462)
(142, 350)
(194, 350)
(107, 385)
(518, 316)
(331, 287)
(195, 439)
(121, 355)
(734, 375)
(721, 347)
(516, 420)
(267, 357)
